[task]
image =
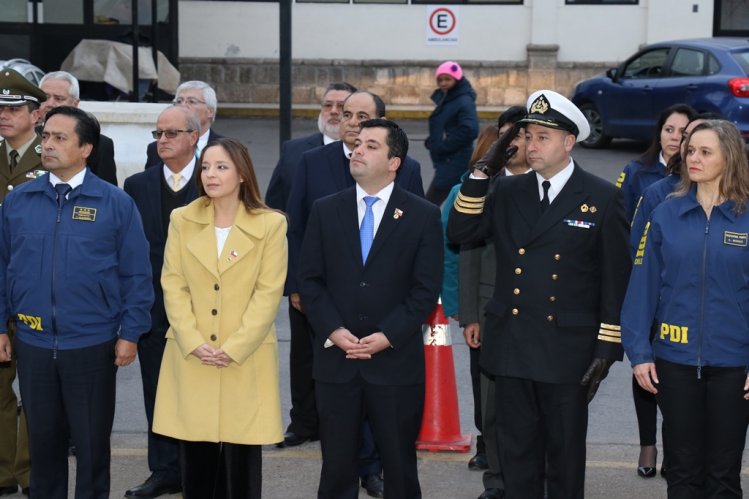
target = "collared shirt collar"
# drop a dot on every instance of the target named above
(202, 142)
(186, 172)
(378, 208)
(328, 140)
(74, 181)
(21, 150)
(508, 173)
(346, 151)
(557, 182)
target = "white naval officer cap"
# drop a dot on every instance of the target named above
(553, 110)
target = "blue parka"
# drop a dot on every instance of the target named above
(691, 277)
(453, 126)
(654, 195)
(633, 181)
(76, 277)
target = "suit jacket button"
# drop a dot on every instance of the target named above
(521, 251)
(550, 318)
(516, 291)
(214, 312)
(557, 257)
(518, 271)
(515, 311)
(213, 337)
(554, 277)
(216, 287)
(362, 284)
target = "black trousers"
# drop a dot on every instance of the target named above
(221, 470)
(303, 411)
(541, 424)
(163, 452)
(394, 413)
(705, 424)
(68, 398)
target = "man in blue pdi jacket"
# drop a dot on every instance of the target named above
(76, 280)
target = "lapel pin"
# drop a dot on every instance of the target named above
(38, 149)
(397, 214)
(232, 255)
(584, 208)
(593, 209)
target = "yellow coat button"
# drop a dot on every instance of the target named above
(515, 311)
(521, 251)
(516, 291)
(214, 312)
(518, 271)
(213, 337)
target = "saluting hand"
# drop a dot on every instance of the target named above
(5, 348)
(124, 352)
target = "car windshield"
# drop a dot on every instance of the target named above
(743, 59)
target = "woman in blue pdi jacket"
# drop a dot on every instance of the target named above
(453, 125)
(651, 166)
(691, 276)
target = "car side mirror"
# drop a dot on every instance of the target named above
(611, 73)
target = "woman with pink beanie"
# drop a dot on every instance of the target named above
(453, 125)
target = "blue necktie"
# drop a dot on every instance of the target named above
(62, 191)
(366, 232)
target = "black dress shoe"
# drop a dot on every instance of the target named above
(478, 462)
(291, 439)
(6, 491)
(646, 471)
(374, 485)
(154, 487)
(492, 494)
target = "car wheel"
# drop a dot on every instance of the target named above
(596, 139)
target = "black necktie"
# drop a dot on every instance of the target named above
(62, 191)
(545, 201)
(13, 159)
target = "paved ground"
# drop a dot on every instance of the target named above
(293, 473)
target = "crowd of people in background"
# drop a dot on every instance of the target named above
(552, 272)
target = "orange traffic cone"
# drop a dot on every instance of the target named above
(440, 425)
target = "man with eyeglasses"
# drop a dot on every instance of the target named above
(200, 98)
(158, 191)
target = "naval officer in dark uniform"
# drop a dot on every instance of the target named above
(552, 326)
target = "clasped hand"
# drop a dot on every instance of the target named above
(210, 356)
(359, 348)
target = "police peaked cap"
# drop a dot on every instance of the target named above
(15, 90)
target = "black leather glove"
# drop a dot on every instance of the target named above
(499, 154)
(597, 372)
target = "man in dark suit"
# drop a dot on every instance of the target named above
(303, 413)
(321, 172)
(477, 268)
(200, 98)
(62, 89)
(552, 325)
(328, 123)
(156, 195)
(371, 271)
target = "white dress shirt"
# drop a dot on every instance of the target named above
(378, 208)
(186, 173)
(557, 182)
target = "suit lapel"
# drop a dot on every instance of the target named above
(525, 197)
(398, 200)
(349, 222)
(339, 173)
(572, 196)
(153, 194)
(239, 244)
(203, 244)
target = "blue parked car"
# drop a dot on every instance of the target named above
(709, 74)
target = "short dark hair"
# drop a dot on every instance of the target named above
(396, 138)
(511, 115)
(340, 85)
(378, 102)
(86, 127)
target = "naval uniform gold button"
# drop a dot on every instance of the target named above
(518, 271)
(550, 318)
(515, 311)
(554, 277)
(516, 291)
(557, 257)
(552, 298)
(521, 251)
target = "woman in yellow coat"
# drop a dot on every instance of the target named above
(224, 269)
